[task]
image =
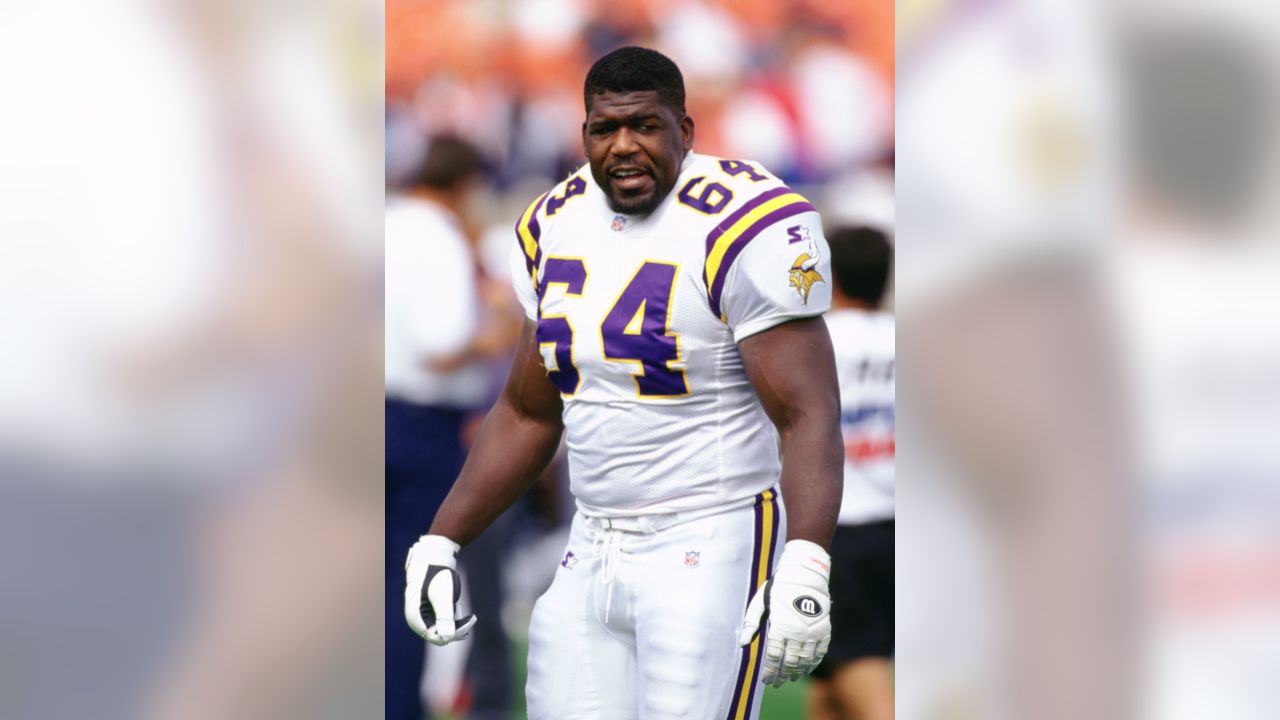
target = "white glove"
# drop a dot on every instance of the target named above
(798, 605)
(431, 591)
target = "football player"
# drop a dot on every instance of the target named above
(855, 679)
(674, 336)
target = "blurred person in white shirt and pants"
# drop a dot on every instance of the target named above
(855, 679)
(436, 374)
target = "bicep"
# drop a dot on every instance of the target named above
(792, 368)
(528, 390)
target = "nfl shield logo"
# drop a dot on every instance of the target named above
(618, 222)
(692, 558)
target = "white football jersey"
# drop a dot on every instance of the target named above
(864, 348)
(638, 323)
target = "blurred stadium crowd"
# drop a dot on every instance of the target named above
(804, 87)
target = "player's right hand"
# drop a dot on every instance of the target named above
(431, 591)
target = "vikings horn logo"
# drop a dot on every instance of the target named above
(804, 272)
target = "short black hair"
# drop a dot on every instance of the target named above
(861, 260)
(449, 161)
(636, 69)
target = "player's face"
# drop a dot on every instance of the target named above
(635, 144)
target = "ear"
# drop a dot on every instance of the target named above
(585, 153)
(686, 129)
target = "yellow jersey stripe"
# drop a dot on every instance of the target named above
(716, 256)
(528, 233)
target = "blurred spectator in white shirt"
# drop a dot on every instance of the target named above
(431, 297)
(433, 376)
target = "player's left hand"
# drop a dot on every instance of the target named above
(797, 603)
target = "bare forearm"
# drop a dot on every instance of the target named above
(812, 476)
(509, 453)
(792, 368)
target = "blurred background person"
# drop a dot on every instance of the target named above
(855, 679)
(1195, 288)
(188, 451)
(1091, 359)
(438, 344)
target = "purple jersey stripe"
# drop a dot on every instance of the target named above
(528, 263)
(535, 231)
(534, 228)
(741, 242)
(741, 212)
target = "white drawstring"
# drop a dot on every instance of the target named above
(609, 543)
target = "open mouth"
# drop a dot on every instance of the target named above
(629, 179)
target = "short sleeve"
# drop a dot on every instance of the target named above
(522, 282)
(526, 255)
(782, 274)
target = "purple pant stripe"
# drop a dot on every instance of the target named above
(751, 590)
(773, 544)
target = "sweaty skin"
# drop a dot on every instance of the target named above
(635, 144)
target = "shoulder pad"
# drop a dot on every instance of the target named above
(737, 229)
(528, 233)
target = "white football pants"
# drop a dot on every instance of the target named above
(641, 621)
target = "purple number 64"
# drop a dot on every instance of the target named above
(555, 330)
(635, 330)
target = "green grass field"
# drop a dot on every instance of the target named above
(784, 703)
